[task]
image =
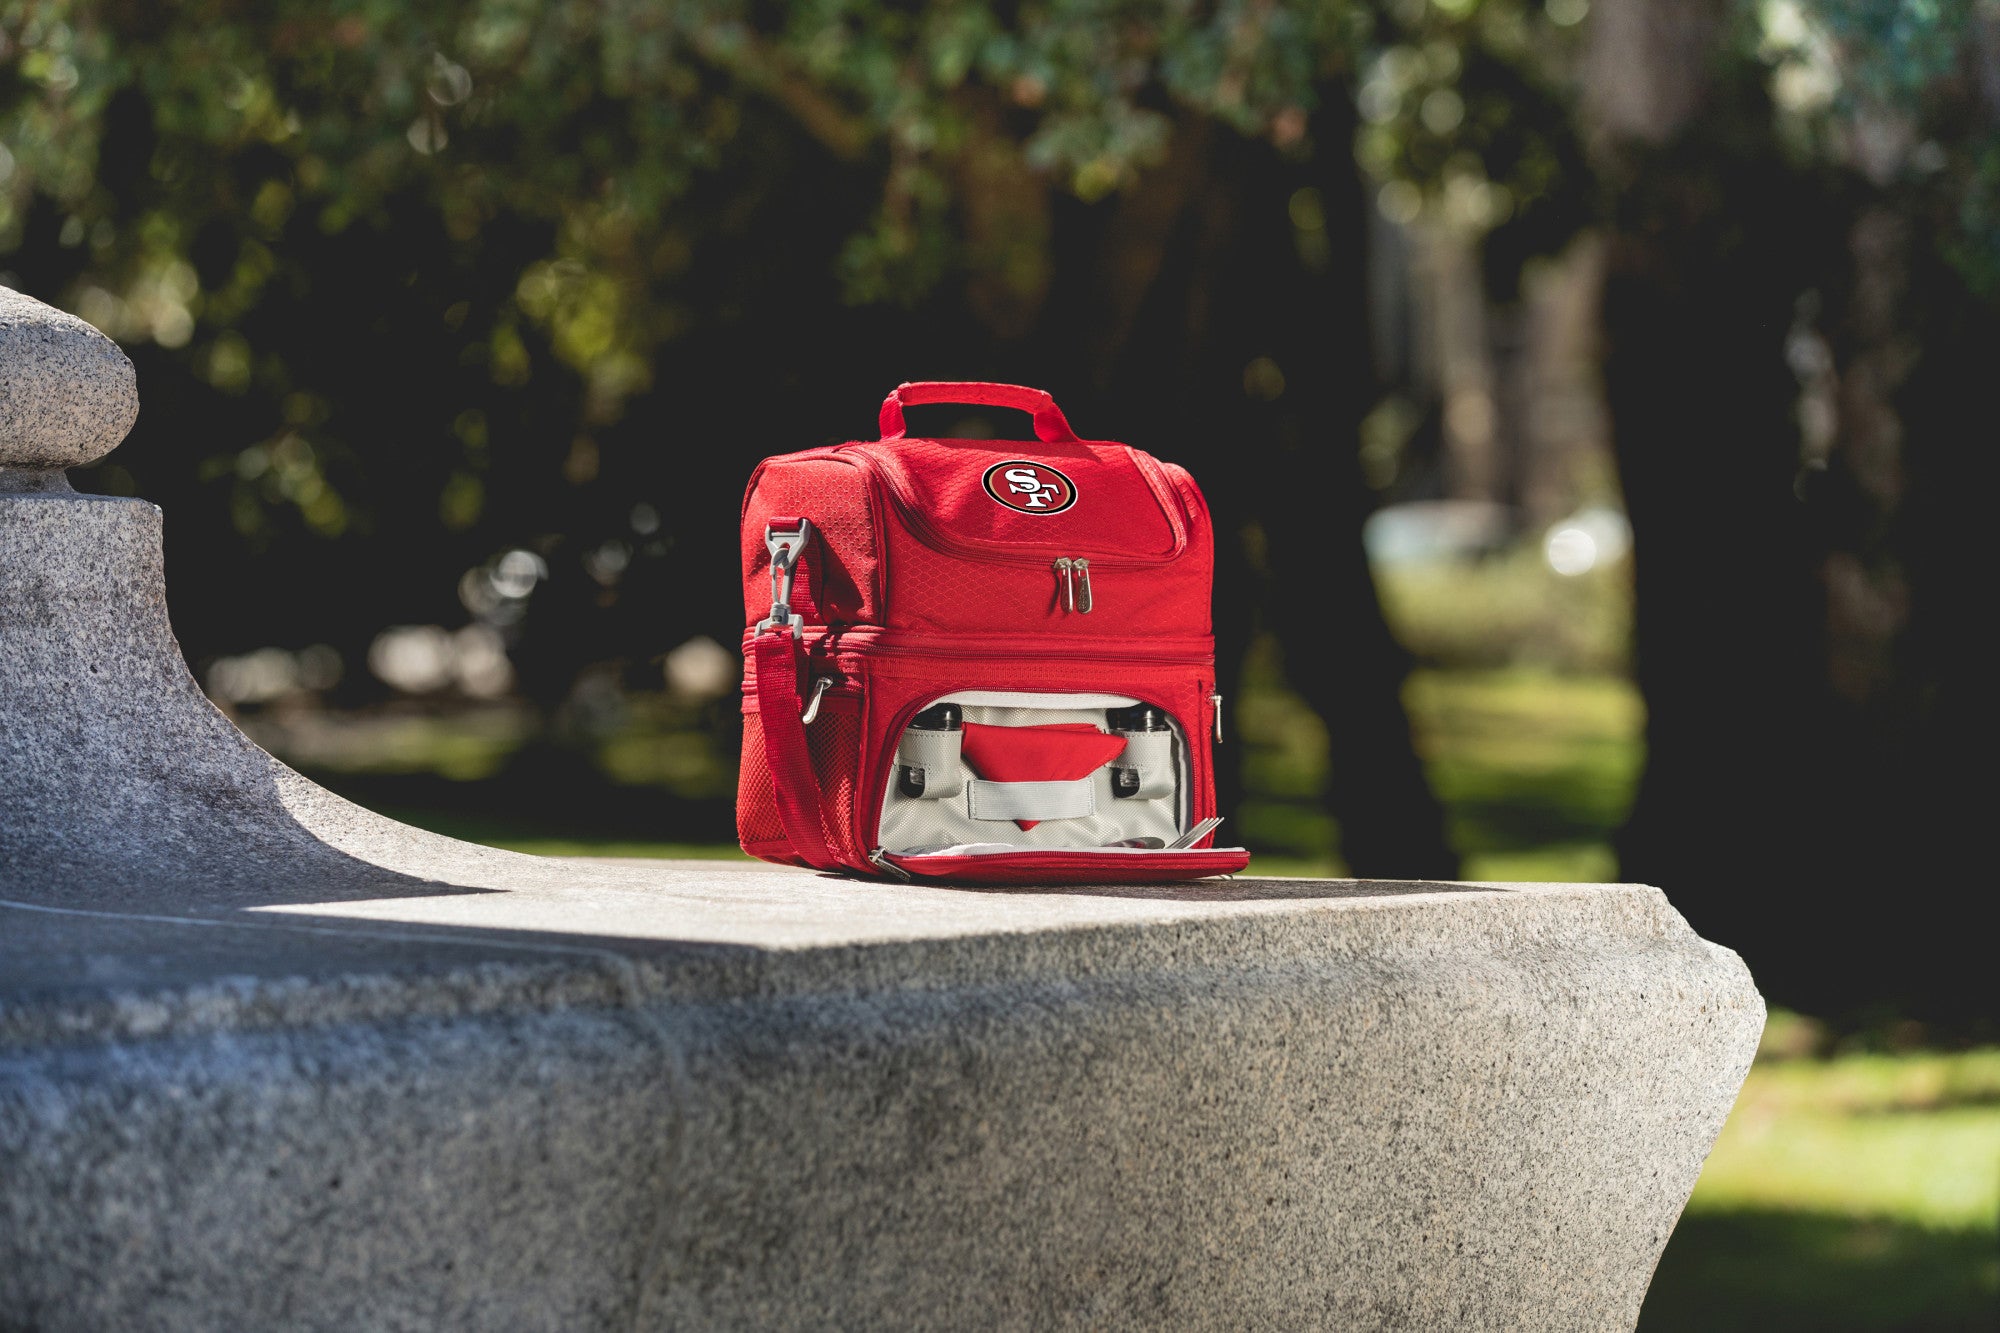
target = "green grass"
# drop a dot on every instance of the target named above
(1510, 610)
(1850, 1195)
(1535, 770)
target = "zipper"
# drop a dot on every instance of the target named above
(1187, 652)
(880, 860)
(1215, 707)
(1072, 575)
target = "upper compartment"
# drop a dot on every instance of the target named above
(1072, 539)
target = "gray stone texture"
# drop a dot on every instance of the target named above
(67, 393)
(717, 1096)
(268, 1060)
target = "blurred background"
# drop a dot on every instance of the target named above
(1593, 395)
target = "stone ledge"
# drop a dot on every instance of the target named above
(708, 1095)
(572, 931)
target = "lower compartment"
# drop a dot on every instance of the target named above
(1035, 769)
(1022, 786)
(962, 766)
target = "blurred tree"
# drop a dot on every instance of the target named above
(1800, 288)
(448, 279)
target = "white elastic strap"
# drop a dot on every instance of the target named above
(936, 753)
(1032, 800)
(1152, 754)
(1020, 699)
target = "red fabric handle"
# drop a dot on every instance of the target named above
(778, 657)
(1050, 424)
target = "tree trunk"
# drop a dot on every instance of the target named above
(1796, 741)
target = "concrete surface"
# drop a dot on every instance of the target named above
(268, 1060)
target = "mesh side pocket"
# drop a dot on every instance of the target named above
(757, 819)
(834, 741)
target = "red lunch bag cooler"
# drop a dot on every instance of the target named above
(980, 661)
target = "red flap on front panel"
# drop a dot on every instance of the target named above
(1033, 498)
(1058, 752)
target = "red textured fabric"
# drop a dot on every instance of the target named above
(1059, 752)
(931, 571)
(840, 569)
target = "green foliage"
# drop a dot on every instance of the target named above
(598, 120)
(1909, 92)
(1465, 105)
(431, 274)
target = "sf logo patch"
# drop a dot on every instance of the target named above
(1032, 488)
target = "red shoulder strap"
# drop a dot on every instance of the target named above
(779, 657)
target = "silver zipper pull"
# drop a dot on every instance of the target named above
(1067, 591)
(880, 860)
(1215, 705)
(1082, 569)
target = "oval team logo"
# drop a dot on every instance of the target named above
(1032, 488)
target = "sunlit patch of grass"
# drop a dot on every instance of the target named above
(468, 744)
(1846, 1194)
(1558, 863)
(1535, 769)
(1915, 1138)
(1510, 610)
(683, 762)
(1527, 760)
